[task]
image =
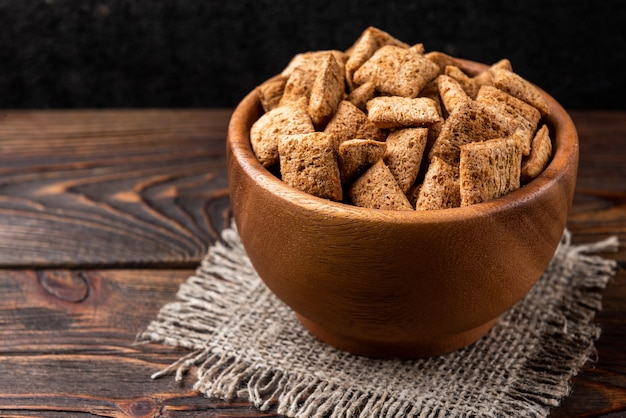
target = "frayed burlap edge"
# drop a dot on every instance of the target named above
(568, 339)
(210, 299)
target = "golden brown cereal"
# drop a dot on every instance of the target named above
(308, 163)
(451, 92)
(484, 78)
(302, 71)
(441, 59)
(505, 104)
(362, 94)
(403, 157)
(368, 43)
(517, 86)
(397, 71)
(469, 85)
(298, 86)
(311, 61)
(271, 91)
(489, 169)
(327, 91)
(539, 156)
(400, 112)
(440, 189)
(359, 123)
(377, 189)
(470, 122)
(350, 123)
(292, 118)
(357, 155)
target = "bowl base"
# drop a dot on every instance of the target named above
(406, 350)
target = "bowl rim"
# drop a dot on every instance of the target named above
(564, 159)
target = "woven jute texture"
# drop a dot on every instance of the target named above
(243, 341)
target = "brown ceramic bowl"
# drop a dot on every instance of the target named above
(396, 283)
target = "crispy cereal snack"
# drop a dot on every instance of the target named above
(349, 123)
(403, 156)
(516, 86)
(292, 118)
(389, 125)
(440, 189)
(327, 91)
(401, 112)
(377, 189)
(451, 92)
(397, 71)
(539, 156)
(308, 162)
(506, 104)
(357, 155)
(489, 169)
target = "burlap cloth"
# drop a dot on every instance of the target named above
(245, 342)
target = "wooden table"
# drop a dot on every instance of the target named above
(104, 213)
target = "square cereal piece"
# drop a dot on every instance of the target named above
(311, 61)
(489, 169)
(440, 189)
(469, 122)
(539, 157)
(357, 155)
(369, 42)
(377, 189)
(451, 92)
(308, 163)
(397, 71)
(517, 86)
(298, 86)
(327, 91)
(271, 91)
(468, 84)
(291, 118)
(400, 112)
(349, 123)
(403, 157)
(504, 103)
(302, 71)
(484, 78)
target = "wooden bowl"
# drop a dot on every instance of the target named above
(398, 284)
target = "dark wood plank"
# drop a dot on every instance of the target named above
(67, 345)
(600, 388)
(599, 211)
(61, 355)
(111, 187)
(599, 208)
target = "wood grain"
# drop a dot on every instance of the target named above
(104, 213)
(80, 357)
(111, 188)
(599, 208)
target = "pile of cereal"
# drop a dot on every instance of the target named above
(385, 125)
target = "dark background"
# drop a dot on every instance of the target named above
(184, 53)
